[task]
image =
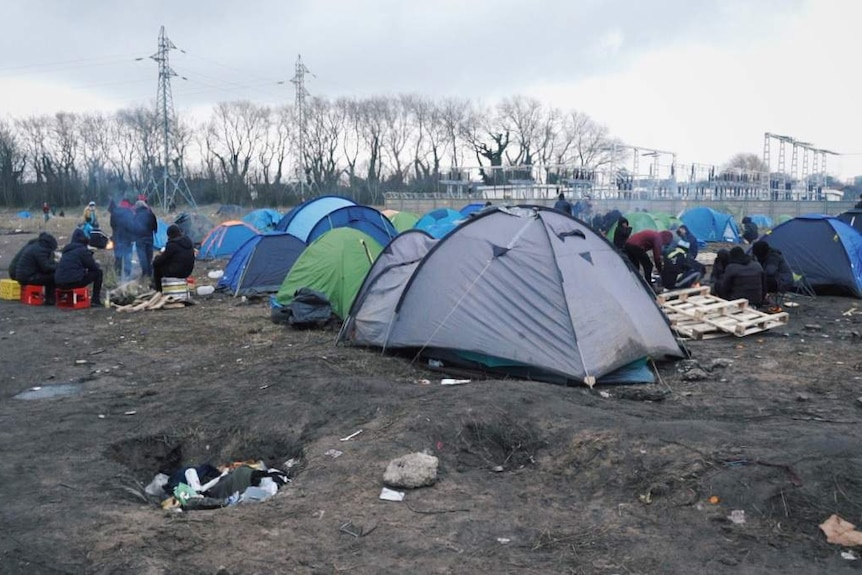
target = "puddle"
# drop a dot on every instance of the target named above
(49, 391)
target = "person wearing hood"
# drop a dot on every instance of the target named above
(719, 266)
(750, 233)
(779, 276)
(144, 227)
(638, 246)
(122, 236)
(78, 268)
(36, 266)
(743, 278)
(686, 235)
(563, 205)
(178, 259)
(622, 233)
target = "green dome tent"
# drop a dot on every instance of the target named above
(335, 264)
(639, 221)
(782, 218)
(669, 221)
(404, 221)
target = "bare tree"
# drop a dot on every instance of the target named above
(234, 135)
(324, 128)
(12, 163)
(454, 115)
(487, 136)
(398, 130)
(584, 142)
(143, 124)
(747, 162)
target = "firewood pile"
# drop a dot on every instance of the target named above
(152, 300)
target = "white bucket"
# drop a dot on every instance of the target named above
(175, 287)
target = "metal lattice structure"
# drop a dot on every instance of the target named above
(301, 93)
(166, 188)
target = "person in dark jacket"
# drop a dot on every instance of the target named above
(178, 259)
(36, 265)
(563, 205)
(144, 227)
(719, 266)
(622, 233)
(743, 278)
(122, 236)
(686, 235)
(779, 277)
(78, 268)
(750, 233)
(14, 263)
(639, 244)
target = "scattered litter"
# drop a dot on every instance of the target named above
(96, 352)
(264, 386)
(605, 394)
(101, 416)
(12, 332)
(790, 304)
(435, 363)
(498, 469)
(391, 495)
(849, 555)
(80, 361)
(841, 532)
(156, 487)
(292, 462)
(737, 516)
(36, 388)
(205, 290)
(215, 274)
(503, 540)
(448, 381)
(130, 412)
(333, 453)
(350, 529)
(351, 436)
(423, 381)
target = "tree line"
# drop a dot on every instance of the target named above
(247, 153)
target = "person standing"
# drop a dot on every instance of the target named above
(46, 211)
(144, 227)
(563, 205)
(750, 233)
(622, 233)
(78, 268)
(122, 236)
(36, 266)
(178, 259)
(638, 246)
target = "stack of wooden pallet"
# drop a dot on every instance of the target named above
(696, 314)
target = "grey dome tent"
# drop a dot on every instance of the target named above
(525, 291)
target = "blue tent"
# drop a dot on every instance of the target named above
(708, 225)
(305, 216)
(261, 264)
(853, 218)
(471, 208)
(225, 239)
(362, 218)
(439, 222)
(24, 215)
(762, 221)
(264, 219)
(161, 236)
(823, 249)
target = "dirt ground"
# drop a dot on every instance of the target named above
(533, 477)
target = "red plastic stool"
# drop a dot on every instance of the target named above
(32, 295)
(76, 298)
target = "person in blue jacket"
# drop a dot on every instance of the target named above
(78, 268)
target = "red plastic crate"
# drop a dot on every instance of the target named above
(32, 295)
(77, 298)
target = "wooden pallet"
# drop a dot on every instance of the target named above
(696, 314)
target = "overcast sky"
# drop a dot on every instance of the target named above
(703, 78)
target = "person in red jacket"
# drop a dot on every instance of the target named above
(639, 244)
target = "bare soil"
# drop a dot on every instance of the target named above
(534, 478)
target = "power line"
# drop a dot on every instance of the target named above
(70, 64)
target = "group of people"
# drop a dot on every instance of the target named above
(582, 209)
(737, 275)
(36, 262)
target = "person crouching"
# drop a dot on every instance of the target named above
(78, 268)
(178, 259)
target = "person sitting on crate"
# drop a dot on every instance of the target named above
(36, 266)
(14, 262)
(78, 268)
(178, 259)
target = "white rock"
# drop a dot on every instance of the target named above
(413, 470)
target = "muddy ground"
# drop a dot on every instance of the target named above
(589, 484)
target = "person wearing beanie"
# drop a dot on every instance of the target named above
(178, 259)
(743, 279)
(638, 246)
(78, 268)
(144, 228)
(90, 216)
(35, 265)
(779, 276)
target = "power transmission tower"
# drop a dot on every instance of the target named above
(299, 81)
(170, 185)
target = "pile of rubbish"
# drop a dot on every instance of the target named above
(208, 487)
